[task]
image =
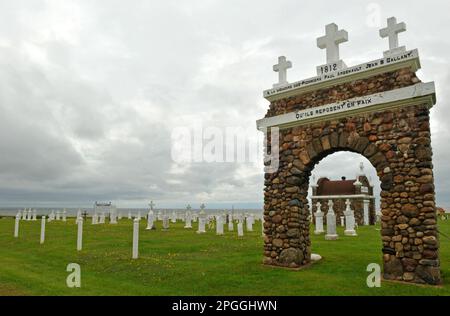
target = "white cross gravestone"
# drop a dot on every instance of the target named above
(174, 217)
(188, 223)
(58, 215)
(319, 219)
(29, 215)
(94, 219)
(202, 220)
(42, 240)
(240, 229)
(249, 221)
(219, 225)
(135, 253)
(230, 223)
(331, 223)
(391, 31)
(24, 214)
(64, 216)
(366, 212)
(165, 222)
(16, 227)
(150, 220)
(349, 220)
(80, 234)
(129, 215)
(330, 42)
(282, 67)
(34, 215)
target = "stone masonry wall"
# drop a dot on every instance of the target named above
(396, 142)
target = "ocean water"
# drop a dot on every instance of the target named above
(72, 212)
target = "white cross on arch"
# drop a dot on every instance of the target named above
(333, 37)
(282, 67)
(391, 31)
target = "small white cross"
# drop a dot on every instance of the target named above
(330, 206)
(333, 37)
(348, 203)
(391, 31)
(282, 67)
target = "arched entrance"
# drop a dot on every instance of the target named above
(380, 112)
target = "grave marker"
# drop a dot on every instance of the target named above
(349, 220)
(135, 254)
(16, 227)
(319, 219)
(331, 223)
(42, 240)
(80, 234)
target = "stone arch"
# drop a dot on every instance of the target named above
(402, 159)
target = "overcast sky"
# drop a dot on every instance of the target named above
(91, 91)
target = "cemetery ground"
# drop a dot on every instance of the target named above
(181, 262)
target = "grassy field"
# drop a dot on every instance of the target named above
(181, 262)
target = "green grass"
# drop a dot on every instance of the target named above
(181, 262)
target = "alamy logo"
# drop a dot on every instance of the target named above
(74, 278)
(195, 144)
(374, 278)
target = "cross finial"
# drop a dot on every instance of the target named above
(202, 207)
(188, 207)
(348, 203)
(333, 37)
(318, 205)
(151, 205)
(330, 206)
(391, 31)
(282, 67)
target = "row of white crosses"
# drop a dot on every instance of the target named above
(57, 216)
(331, 41)
(150, 225)
(31, 215)
(27, 215)
(331, 221)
